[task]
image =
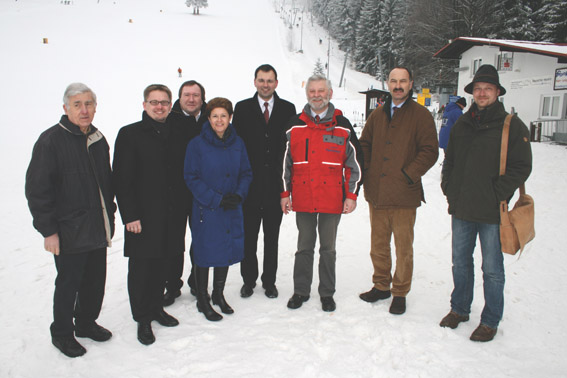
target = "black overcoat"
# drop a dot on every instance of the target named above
(265, 145)
(68, 173)
(186, 128)
(149, 186)
(471, 179)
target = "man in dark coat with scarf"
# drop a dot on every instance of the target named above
(474, 189)
(69, 192)
(261, 121)
(152, 199)
(186, 118)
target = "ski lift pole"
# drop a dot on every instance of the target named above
(344, 66)
(380, 68)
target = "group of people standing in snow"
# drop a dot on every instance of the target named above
(229, 171)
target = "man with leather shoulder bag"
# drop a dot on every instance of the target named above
(474, 189)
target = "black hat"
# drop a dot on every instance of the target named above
(462, 101)
(486, 74)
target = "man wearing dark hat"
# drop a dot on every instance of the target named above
(451, 114)
(474, 190)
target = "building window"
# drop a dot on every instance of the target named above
(550, 106)
(505, 61)
(476, 64)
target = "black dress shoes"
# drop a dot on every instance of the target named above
(93, 331)
(246, 291)
(328, 304)
(169, 297)
(68, 345)
(296, 301)
(271, 291)
(374, 295)
(165, 319)
(145, 333)
(398, 305)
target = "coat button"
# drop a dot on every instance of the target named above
(228, 175)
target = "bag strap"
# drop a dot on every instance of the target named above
(504, 149)
(504, 144)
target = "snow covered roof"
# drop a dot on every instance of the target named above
(456, 47)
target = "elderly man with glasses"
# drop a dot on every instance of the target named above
(151, 196)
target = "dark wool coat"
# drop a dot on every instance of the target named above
(213, 168)
(471, 178)
(68, 173)
(187, 128)
(265, 145)
(149, 186)
(397, 152)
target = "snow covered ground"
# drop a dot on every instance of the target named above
(93, 41)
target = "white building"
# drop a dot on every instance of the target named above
(533, 73)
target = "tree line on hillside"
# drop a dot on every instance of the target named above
(380, 34)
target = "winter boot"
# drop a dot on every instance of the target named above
(203, 304)
(218, 289)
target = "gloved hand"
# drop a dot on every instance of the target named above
(230, 201)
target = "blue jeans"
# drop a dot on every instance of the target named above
(464, 240)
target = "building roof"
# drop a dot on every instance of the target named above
(456, 47)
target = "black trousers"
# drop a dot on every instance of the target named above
(79, 290)
(146, 282)
(270, 218)
(174, 270)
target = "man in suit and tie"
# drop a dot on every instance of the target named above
(261, 122)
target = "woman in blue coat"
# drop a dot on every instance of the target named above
(218, 173)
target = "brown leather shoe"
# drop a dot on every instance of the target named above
(483, 333)
(452, 320)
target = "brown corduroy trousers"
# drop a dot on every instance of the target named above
(384, 223)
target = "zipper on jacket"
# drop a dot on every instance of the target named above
(307, 149)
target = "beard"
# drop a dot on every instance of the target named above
(318, 106)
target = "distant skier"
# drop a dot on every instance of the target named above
(180, 72)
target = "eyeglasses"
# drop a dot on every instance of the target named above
(156, 102)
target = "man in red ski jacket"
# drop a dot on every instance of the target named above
(322, 170)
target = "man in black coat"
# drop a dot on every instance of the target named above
(152, 199)
(260, 121)
(69, 192)
(474, 189)
(187, 118)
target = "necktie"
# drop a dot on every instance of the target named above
(317, 119)
(395, 108)
(266, 112)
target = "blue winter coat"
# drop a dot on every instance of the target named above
(450, 116)
(213, 168)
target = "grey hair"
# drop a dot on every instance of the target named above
(74, 89)
(318, 77)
